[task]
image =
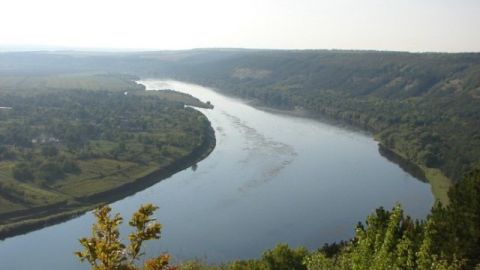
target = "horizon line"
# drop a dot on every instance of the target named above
(59, 48)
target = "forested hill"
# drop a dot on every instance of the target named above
(393, 75)
(424, 106)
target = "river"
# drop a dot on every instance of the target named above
(271, 178)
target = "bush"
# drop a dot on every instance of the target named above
(70, 166)
(49, 150)
(23, 172)
(284, 258)
(51, 171)
(104, 251)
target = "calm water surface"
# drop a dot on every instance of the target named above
(271, 178)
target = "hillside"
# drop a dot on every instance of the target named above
(424, 107)
(421, 106)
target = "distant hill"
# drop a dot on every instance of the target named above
(423, 106)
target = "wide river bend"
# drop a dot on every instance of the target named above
(271, 178)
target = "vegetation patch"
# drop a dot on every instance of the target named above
(58, 149)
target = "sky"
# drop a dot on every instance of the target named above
(398, 25)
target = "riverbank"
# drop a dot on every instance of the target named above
(60, 212)
(439, 182)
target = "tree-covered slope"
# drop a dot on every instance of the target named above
(423, 106)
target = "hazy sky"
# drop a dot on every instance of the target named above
(406, 25)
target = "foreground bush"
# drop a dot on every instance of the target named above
(104, 251)
(449, 239)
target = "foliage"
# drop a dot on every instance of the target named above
(104, 251)
(283, 258)
(423, 106)
(59, 146)
(318, 261)
(447, 240)
(22, 172)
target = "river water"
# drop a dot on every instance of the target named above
(272, 178)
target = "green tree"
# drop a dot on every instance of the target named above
(318, 261)
(462, 220)
(282, 257)
(51, 171)
(23, 172)
(49, 150)
(104, 251)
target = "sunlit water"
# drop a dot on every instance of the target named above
(271, 178)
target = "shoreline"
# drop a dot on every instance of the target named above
(439, 183)
(64, 211)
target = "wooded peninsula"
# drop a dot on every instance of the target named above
(63, 151)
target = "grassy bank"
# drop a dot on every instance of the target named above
(439, 183)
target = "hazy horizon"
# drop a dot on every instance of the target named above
(42, 48)
(380, 25)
